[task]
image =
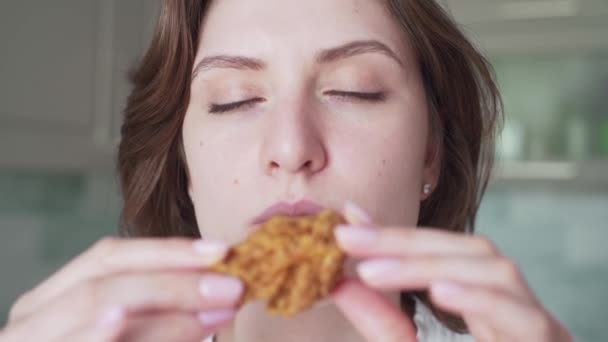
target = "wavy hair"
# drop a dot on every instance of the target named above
(465, 112)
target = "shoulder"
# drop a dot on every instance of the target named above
(431, 330)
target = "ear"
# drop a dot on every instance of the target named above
(432, 164)
(190, 191)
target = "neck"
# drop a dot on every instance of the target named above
(320, 324)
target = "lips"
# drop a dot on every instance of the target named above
(300, 208)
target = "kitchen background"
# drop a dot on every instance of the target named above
(62, 87)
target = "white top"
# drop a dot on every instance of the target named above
(429, 328)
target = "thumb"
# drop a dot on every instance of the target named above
(372, 315)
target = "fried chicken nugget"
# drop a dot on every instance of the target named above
(290, 262)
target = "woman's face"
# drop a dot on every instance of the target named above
(301, 132)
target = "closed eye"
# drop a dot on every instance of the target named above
(357, 96)
(228, 107)
(340, 95)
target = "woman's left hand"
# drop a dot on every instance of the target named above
(466, 276)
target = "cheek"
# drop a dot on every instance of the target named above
(385, 168)
(213, 165)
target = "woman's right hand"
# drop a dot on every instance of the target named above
(131, 289)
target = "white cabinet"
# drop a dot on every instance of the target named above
(63, 83)
(506, 27)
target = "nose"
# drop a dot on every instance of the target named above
(293, 142)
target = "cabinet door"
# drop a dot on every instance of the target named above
(62, 66)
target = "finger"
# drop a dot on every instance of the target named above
(187, 291)
(108, 328)
(138, 294)
(153, 327)
(112, 255)
(372, 315)
(369, 241)
(420, 272)
(89, 335)
(495, 312)
(355, 215)
(478, 327)
(93, 334)
(176, 327)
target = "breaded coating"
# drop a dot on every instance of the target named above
(290, 262)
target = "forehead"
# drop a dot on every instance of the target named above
(267, 28)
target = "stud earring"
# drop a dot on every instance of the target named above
(426, 189)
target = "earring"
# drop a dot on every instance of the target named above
(426, 189)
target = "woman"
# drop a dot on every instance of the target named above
(244, 107)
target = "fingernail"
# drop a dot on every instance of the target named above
(216, 317)
(355, 235)
(355, 214)
(446, 289)
(211, 251)
(219, 288)
(377, 269)
(111, 317)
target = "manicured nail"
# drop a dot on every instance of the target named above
(374, 270)
(349, 236)
(220, 288)
(211, 251)
(354, 214)
(111, 317)
(446, 289)
(216, 317)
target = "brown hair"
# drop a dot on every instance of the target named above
(463, 98)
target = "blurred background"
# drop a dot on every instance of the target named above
(62, 87)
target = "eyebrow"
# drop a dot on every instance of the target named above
(326, 56)
(356, 48)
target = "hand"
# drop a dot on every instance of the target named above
(466, 276)
(136, 289)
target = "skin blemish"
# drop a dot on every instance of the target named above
(235, 182)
